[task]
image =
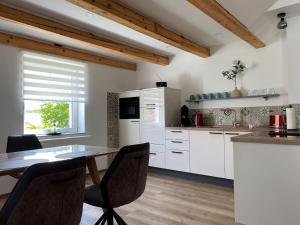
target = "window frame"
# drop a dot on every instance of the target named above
(77, 115)
(75, 118)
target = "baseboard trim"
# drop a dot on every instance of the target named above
(193, 177)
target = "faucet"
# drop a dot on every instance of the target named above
(235, 123)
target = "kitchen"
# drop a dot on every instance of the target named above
(206, 109)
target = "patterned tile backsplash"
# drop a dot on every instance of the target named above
(259, 116)
(112, 122)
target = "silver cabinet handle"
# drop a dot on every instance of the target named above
(175, 152)
(151, 153)
(150, 104)
(232, 133)
(215, 132)
(150, 108)
(176, 131)
(177, 142)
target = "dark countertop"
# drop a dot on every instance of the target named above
(265, 138)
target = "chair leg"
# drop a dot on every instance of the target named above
(110, 217)
(101, 219)
(119, 220)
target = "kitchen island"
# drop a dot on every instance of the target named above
(267, 183)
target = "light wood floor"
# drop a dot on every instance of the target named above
(173, 201)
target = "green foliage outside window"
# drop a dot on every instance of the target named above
(53, 114)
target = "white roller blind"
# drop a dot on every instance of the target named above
(53, 79)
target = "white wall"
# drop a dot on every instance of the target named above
(195, 75)
(292, 58)
(101, 79)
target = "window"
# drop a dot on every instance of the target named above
(54, 92)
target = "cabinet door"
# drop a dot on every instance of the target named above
(152, 97)
(153, 116)
(207, 153)
(229, 165)
(177, 160)
(157, 159)
(129, 132)
(152, 125)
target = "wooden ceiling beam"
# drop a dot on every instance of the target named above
(52, 27)
(121, 14)
(30, 44)
(218, 13)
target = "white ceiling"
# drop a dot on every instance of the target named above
(177, 15)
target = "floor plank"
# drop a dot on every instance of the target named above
(173, 201)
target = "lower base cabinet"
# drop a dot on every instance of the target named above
(178, 160)
(207, 153)
(157, 159)
(157, 156)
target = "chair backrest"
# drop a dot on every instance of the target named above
(47, 194)
(22, 143)
(125, 179)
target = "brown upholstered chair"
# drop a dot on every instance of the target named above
(123, 183)
(22, 143)
(47, 194)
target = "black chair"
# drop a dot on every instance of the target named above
(123, 183)
(22, 143)
(47, 194)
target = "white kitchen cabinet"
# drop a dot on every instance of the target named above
(152, 97)
(229, 165)
(129, 132)
(178, 160)
(174, 134)
(157, 159)
(178, 145)
(207, 153)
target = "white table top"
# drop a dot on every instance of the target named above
(10, 162)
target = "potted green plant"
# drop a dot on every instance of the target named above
(232, 74)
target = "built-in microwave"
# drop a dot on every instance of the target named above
(129, 108)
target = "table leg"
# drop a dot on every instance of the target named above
(92, 166)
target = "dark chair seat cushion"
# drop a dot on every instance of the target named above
(93, 196)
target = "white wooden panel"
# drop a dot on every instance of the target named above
(177, 134)
(229, 165)
(152, 97)
(157, 148)
(129, 94)
(129, 132)
(207, 153)
(157, 159)
(178, 145)
(153, 135)
(178, 160)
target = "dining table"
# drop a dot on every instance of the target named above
(16, 162)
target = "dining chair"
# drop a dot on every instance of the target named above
(22, 143)
(123, 183)
(47, 194)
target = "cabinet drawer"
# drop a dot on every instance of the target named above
(157, 159)
(177, 134)
(157, 148)
(178, 160)
(178, 145)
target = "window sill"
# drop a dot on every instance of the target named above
(64, 136)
